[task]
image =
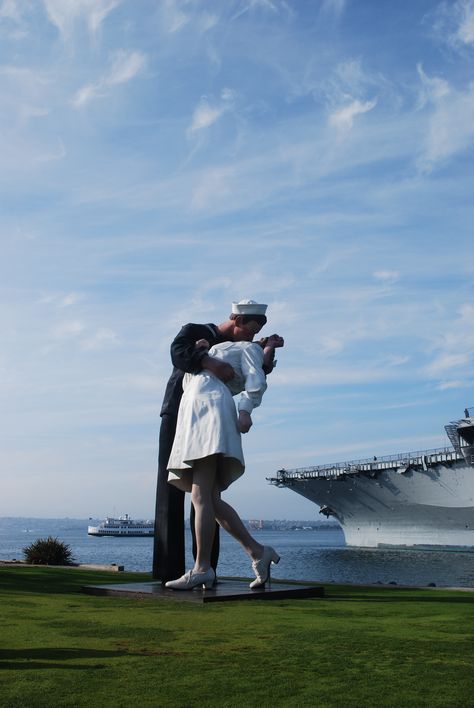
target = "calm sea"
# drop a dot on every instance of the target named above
(318, 555)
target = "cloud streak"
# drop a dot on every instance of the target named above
(343, 118)
(124, 66)
(206, 114)
(451, 126)
(466, 27)
(65, 14)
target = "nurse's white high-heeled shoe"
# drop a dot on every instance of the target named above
(193, 579)
(261, 567)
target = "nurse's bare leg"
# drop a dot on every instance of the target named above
(216, 544)
(230, 521)
(204, 480)
(262, 556)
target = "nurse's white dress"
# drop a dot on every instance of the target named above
(207, 418)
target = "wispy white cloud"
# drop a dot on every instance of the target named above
(347, 92)
(334, 375)
(465, 30)
(455, 353)
(100, 339)
(351, 80)
(387, 276)
(13, 24)
(22, 92)
(446, 362)
(69, 329)
(207, 21)
(213, 185)
(275, 7)
(65, 13)
(451, 123)
(125, 65)
(175, 17)
(433, 88)
(455, 384)
(9, 9)
(267, 173)
(453, 23)
(78, 334)
(343, 118)
(71, 299)
(61, 300)
(87, 93)
(207, 113)
(181, 15)
(332, 344)
(335, 7)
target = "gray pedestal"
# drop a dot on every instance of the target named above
(226, 589)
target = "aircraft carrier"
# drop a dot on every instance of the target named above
(419, 499)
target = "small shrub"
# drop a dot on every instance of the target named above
(48, 551)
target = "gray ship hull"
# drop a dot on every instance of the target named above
(423, 499)
(418, 508)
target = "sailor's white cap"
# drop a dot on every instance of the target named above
(248, 307)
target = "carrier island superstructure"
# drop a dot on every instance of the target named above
(418, 499)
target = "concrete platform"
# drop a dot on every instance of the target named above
(226, 589)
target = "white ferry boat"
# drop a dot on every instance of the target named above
(416, 499)
(123, 526)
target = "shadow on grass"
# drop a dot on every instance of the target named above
(48, 579)
(53, 658)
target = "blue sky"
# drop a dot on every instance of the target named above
(161, 159)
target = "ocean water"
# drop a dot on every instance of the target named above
(317, 555)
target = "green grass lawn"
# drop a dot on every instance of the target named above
(356, 647)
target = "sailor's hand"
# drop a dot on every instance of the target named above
(221, 369)
(245, 421)
(202, 344)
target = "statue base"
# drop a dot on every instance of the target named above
(225, 589)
